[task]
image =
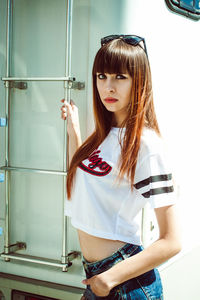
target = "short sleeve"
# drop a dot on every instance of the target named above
(153, 180)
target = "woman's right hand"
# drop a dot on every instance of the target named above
(69, 111)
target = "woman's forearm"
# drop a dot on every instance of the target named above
(151, 257)
(69, 112)
(168, 245)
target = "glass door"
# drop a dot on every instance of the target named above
(38, 70)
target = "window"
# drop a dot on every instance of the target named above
(188, 8)
(18, 295)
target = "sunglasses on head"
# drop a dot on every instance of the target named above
(129, 39)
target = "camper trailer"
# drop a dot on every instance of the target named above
(47, 50)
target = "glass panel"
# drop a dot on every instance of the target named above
(36, 129)
(188, 4)
(36, 213)
(197, 4)
(38, 45)
(19, 295)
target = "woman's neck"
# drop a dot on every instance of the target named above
(119, 118)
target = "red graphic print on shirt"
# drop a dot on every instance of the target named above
(96, 162)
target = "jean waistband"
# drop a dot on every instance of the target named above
(97, 267)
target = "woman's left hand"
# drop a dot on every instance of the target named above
(99, 284)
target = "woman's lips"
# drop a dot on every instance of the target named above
(110, 100)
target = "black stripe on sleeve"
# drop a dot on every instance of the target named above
(162, 190)
(151, 179)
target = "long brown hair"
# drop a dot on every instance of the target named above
(118, 57)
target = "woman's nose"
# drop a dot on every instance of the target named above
(110, 86)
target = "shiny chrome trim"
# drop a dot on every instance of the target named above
(33, 259)
(38, 78)
(67, 97)
(7, 109)
(32, 170)
(41, 260)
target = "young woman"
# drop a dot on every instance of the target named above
(115, 172)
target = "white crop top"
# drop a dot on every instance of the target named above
(104, 208)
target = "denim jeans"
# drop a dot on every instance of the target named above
(145, 286)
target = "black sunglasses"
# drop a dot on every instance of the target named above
(129, 39)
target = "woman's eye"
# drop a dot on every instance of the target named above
(120, 76)
(101, 76)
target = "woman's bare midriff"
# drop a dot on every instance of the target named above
(94, 248)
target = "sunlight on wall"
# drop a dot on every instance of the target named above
(173, 50)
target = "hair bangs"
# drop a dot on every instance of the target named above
(114, 58)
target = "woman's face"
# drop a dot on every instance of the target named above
(115, 93)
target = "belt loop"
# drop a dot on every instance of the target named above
(121, 255)
(125, 251)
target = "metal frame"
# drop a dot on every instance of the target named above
(9, 250)
(30, 170)
(21, 82)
